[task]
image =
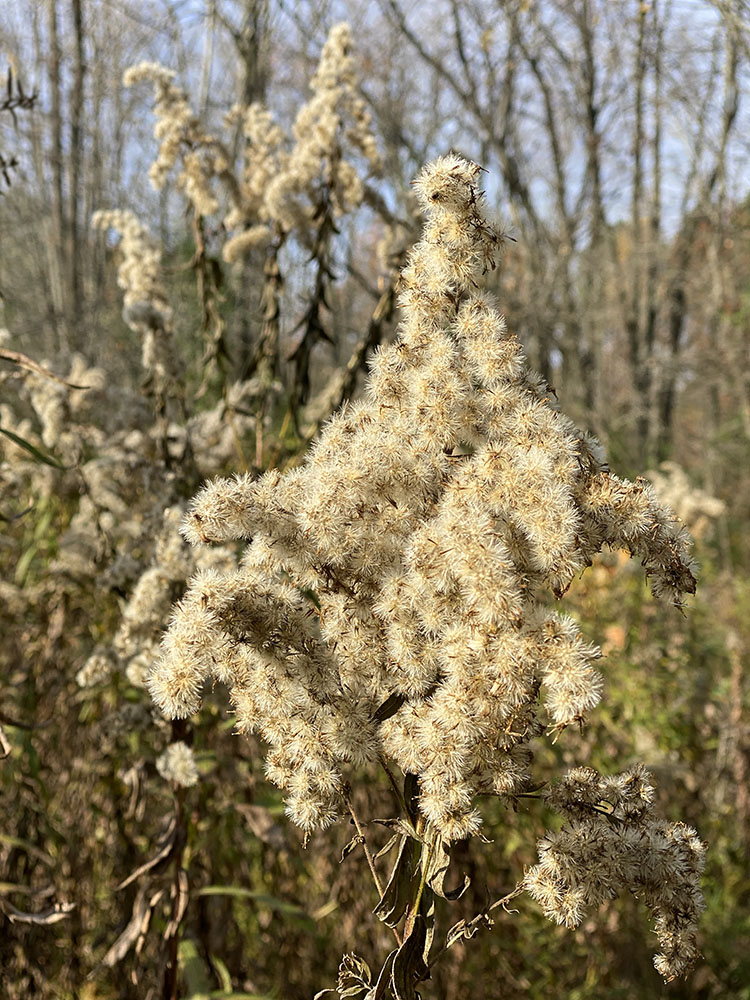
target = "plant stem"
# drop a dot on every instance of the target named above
(425, 859)
(370, 859)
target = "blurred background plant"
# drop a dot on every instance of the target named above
(615, 137)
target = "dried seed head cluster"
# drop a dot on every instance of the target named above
(612, 841)
(177, 764)
(146, 308)
(136, 643)
(393, 596)
(333, 120)
(180, 135)
(280, 186)
(695, 507)
(283, 188)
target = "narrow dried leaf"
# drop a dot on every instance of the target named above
(460, 931)
(353, 844)
(401, 886)
(139, 920)
(169, 841)
(408, 965)
(23, 361)
(388, 847)
(401, 826)
(378, 992)
(54, 915)
(181, 896)
(389, 707)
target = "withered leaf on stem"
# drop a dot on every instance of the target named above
(399, 892)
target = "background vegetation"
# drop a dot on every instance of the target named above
(615, 135)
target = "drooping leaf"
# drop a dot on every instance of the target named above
(378, 992)
(408, 964)
(401, 887)
(28, 446)
(387, 848)
(437, 870)
(353, 844)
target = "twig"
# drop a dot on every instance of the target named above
(365, 848)
(370, 859)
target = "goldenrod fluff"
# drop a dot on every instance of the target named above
(430, 521)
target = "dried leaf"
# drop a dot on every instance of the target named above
(23, 361)
(54, 915)
(169, 841)
(408, 965)
(402, 826)
(353, 844)
(388, 847)
(137, 925)
(401, 887)
(181, 896)
(354, 978)
(378, 991)
(439, 864)
(461, 931)
(389, 707)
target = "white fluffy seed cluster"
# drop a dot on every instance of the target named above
(146, 308)
(136, 642)
(181, 137)
(611, 841)
(282, 188)
(695, 507)
(393, 597)
(177, 764)
(281, 184)
(96, 670)
(334, 119)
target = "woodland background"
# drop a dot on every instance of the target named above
(615, 135)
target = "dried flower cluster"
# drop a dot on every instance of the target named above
(146, 308)
(177, 764)
(333, 120)
(428, 520)
(393, 599)
(696, 508)
(611, 841)
(285, 189)
(136, 642)
(181, 136)
(280, 185)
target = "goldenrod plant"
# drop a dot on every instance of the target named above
(393, 609)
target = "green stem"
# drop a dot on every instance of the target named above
(425, 861)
